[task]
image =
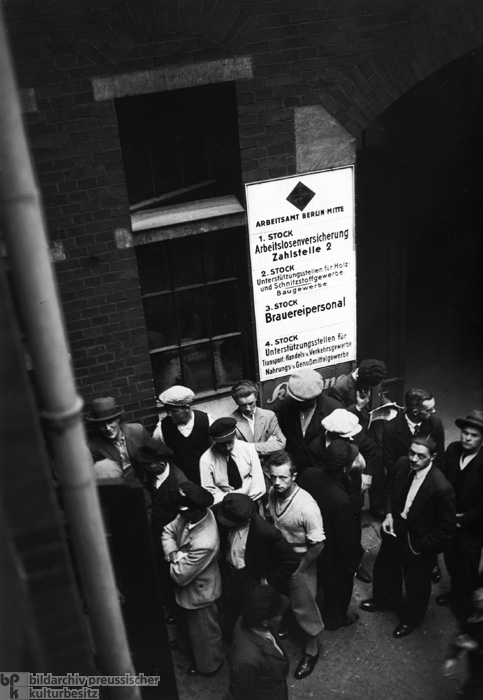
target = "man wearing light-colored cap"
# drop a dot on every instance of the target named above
(184, 430)
(231, 465)
(463, 467)
(301, 413)
(341, 424)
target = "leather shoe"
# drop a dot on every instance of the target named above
(402, 630)
(370, 605)
(444, 599)
(350, 618)
(363, 575)
(436, 574)
(306, 666)
(283, 634)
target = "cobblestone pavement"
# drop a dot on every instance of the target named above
(364, 661)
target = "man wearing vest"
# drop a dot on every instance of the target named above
(184, 430)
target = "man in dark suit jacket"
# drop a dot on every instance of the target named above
(259, 664)
(301, 414)
(253, 551)
(463, 467)
(338, 561)
(420, 520)
(116, 440)
(417, 419)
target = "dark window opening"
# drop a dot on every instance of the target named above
(180, 146)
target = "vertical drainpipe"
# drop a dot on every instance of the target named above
(23, 227)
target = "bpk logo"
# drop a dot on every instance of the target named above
(14, 686)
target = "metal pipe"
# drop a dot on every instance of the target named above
(25, 236)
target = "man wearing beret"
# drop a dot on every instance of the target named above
(301, 414)
(330, 487)
(463, 467)
(231, 465)
(184, 430)
(191, 544)
(253, 552)
(116, 440)
(259, 664)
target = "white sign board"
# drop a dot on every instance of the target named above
(302, 250)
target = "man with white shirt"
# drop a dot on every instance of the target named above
(230, 465)
(184, 430)
(463, 467)
(420, 520)
(254, 424)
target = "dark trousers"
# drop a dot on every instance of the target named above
(236, 585)
(395, 564)
(335, 593)
(462, 561)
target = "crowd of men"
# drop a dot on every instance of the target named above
(256, 517)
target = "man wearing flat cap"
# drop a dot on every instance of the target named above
(301, 414)
(231, 465)
(259, 664)
(463, 467)
(116, 440)
(191, 544)
(329, 485)
(253, 552)
(184, 430)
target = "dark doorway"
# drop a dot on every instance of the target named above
(420, 235)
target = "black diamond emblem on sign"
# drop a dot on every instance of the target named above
(300, 196)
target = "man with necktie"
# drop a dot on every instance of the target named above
(230, 465)
(420, 521)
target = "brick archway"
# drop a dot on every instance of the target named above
(128, 24)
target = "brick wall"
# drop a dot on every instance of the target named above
(354, 57)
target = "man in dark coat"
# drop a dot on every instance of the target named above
(463, 467)
(341, 424)
(116, 440)
(184, 430)
(253, 551)
(162, 480)
(258, 663)
(417, 419)
(301, 414)
(420, 521)
(338, 561)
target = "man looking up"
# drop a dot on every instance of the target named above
(463, 467)
(184, 430)
(296, 514)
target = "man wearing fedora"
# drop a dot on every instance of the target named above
(231, 465)
(184, 429)
(253, 552)
(116, 440)
(463, 467)
(191, 544)
(301, 414)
